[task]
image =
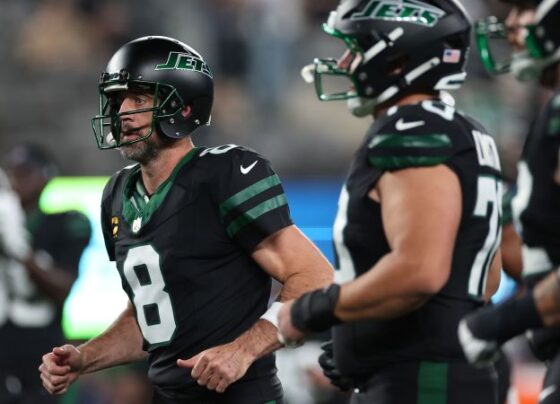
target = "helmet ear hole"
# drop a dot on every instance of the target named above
(186, 111)
(396, 64)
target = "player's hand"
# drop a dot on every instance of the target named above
(60, 368)
(478, 351)
(326, 360)
(287, 333)
(14, 239)
(218, 367)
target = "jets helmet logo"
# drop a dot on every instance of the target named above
(412, 11)
(185, 61)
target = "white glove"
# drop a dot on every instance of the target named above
(14, 238)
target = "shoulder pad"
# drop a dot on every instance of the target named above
(411, 137)
(115, 180)
(225, 151)
(224, 158)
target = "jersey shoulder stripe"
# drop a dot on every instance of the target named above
(245, 194)
(248, 193)
(394, 150)
(418, 135)
(254, 213)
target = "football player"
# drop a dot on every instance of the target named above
(418, 224)
(200, 236)
(39, 262)
(532, 28)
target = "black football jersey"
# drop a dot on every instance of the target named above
(27, 317)
(536, 205)
(184, 254)
(419, 135)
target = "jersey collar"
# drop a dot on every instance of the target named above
(137, 208)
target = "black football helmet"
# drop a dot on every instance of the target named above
(173, 72)
(397, 47)
(542, 41)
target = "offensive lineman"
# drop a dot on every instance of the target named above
(418, 223)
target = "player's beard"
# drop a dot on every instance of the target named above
(146, 150)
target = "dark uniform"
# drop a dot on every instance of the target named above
(537, 219)
(417, 358)
(30, 324)
(535, 206)
(185, 263)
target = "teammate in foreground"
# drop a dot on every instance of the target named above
(199, 235)
(418, 223)
(533, 31)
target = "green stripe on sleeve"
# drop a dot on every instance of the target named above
(406, 161)
(432, 383)
(256, 212)
(248, 193)
(415, 141)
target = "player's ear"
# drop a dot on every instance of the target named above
(186, 111)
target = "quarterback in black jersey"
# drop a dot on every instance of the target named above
(36, 275)
(418, 225)
(534, 32)
(201, 238)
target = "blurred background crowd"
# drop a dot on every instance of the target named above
(53, 51)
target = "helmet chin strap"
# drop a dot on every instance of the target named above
(361, 107)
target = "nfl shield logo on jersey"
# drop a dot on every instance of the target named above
(136, 224)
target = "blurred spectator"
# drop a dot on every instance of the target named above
(52, 50)
(35, 279)
(272, 28)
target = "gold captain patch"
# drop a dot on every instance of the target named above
(115, 226)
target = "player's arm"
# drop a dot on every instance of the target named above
(494, 276)
(55, 275)
(14, 242)
(511, 252)
(510, 245)
(53, 281)
(421, 210)
(290, 258)
(547, 299)
(121, 343)
(293, 260)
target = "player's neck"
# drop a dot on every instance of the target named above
(406, 100)
(155, 172)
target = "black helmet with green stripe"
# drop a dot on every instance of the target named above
(542, 41)
(397, 47)
(173, 72)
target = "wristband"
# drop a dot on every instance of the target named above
(271, 315)
(314, 311)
